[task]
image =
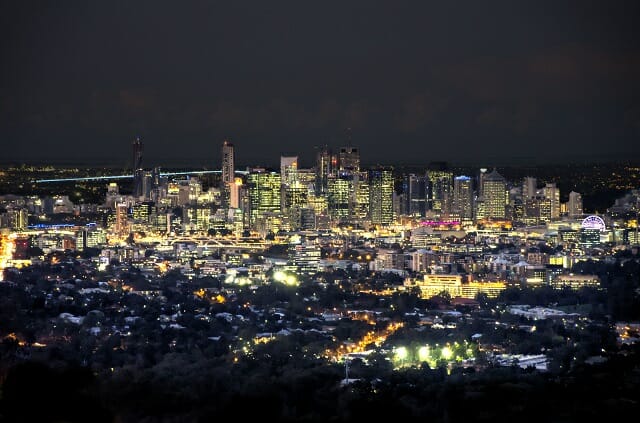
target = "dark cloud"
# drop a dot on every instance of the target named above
(418, 111)
(410, 79)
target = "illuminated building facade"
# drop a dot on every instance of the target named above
(349, 160)
(264, 194)
(552, 193)
(294, 198)
(434, 284)
(122, 223)
(326, 164)
(495, 195)
(575, 281)
(574, 208)
(338, 193)
(294, 192)
(529, 187)
(537, 209)
(462, 204)
(415, 189)
(360, 196)
(491, 289)
(16, 218)
(441, 187)
(138, 172)
(381, 196)
(288, 169)
(319, 204)
(228, 172)
(590, 230)
(305, 257)
(90, 237)
(235, 192)
(141, 213)
(196, 217)
(195, 190)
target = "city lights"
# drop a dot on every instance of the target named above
(446, 353)
(216, 212)
(423, 353)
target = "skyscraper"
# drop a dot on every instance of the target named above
(360, 196)
(228, 172)
(552, 192)
(349, 159)
(338, 197)
(288, 169)
(121, 224)
(495, 196)
(415, 194)
(575, 205)
(325, 165)
(264, 194)
(440, 183)
(293, 191)
(481, 173)
(529, 187)
(462, 204)
(138, 172)
(381, 196)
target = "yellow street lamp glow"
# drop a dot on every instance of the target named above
(423, 353)
(279, 276)
(446, 353)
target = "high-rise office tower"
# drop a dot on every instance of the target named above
(529, 187)
(381, 196)
(195, 189)
(495, 195)
(264, 194)
(481, 173)
(288, 169)
(293, 191)
(338, 190)
(462, 204)
(122, 224)
(440, 187)
(537, 210)
(349, 159)
(359, 196)
(138, 172)
(575, 205)
(415, 195)
(325, 166)
(234, 194)
(228, 172)
(552, 192)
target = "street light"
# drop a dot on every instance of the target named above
(446, 353)
(401, 354)
(423, 353)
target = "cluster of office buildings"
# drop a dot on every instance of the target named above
(464, 234)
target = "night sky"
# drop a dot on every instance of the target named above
(416, 82)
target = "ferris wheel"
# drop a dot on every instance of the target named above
(593, 222)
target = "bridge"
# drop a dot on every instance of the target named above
(130, 176)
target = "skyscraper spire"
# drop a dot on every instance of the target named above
(137, 167)
(228, 171)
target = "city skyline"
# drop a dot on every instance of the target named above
(308, 211)
(490, 83)
(308, 160)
